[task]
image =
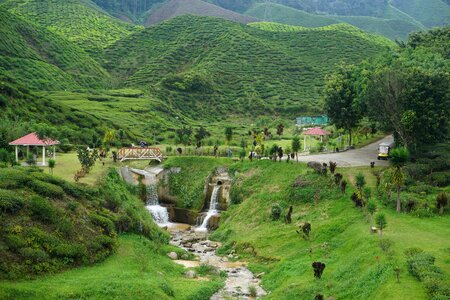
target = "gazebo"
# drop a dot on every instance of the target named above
(33, 139)
(316, 131)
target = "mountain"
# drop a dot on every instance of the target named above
(210, 67)
(174, 8)
(79, 21)
(396, 28)
(42, 59)
(394, 19)
(133, 11)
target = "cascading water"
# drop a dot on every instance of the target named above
(213, 209)
(158, 212)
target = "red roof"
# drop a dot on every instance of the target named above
(32, 139)
(316, 131)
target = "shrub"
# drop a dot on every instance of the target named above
(276, 212)
(12, 178)
(236, 195)
(421, 265)
(34, 255)
(43, 209)
(46, 189)
(105, 223)
(441, 202)
(10, 202)
(167, 289)
(73, 252)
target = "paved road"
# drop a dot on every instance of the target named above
(352, 158)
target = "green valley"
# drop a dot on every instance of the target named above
(215, 150)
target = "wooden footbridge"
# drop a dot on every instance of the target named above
(139, 154)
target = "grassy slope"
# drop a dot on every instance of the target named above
(137, 271)
(351, 272)
(394, 27)
(23, 108)
(80, 21)
(44, 60)
(237, 68)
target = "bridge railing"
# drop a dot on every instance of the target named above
(139, 153)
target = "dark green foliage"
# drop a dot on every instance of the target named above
(10, 202)
(49, 224)
(275, 212)
(421, 265)
(46, 189)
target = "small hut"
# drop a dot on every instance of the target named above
(316, 131)
(32, 139)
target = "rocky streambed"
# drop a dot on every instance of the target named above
(241, 283)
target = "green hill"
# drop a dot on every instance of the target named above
(394, 24)
(43, 60)
(80, 21)
(203, 65)
(428, 12)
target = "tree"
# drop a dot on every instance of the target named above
(381, 222)
(4, 156)
(109, 137)
(87, 158)
(183, 135)
(51, 165)
(360, 182)
(340, 99)
(399, 157)
(296, 146)
(371, 209)
(441, 202)
(200, 135)
(228, 134)
(280, 129)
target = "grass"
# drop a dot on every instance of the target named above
(339, 237)
(138, 270)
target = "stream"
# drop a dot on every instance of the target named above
(239, 280)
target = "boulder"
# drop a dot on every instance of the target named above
(172, 255)
(191, 274)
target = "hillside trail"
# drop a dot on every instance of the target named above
(352, 158)
(240, 279)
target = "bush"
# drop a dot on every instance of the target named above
(12, 178)
(10, 202)
(276, 212)
(73, 252)
(43, 209)
(440, 179)
(105, 223)
(33, 255)
(421, 265)
(46, 189)
(167, 289)
(236, 195)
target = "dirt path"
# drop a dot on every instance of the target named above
(352, 158)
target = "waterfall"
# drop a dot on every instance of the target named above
(159, 213)
(213, 209)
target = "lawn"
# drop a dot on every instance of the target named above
(139, 270)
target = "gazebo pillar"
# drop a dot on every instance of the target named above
(54, 152)
(43, 156)
(17, 154)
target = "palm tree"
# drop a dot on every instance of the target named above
(399, 157)
(296, 146)
(51, 165)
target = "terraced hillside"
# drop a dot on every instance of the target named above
(80, 21)
(393, 24)
(204, 65)
(41, 59)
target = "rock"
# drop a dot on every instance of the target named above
(259, 275)
(188, 245)
(191, 274)
(172, 255)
